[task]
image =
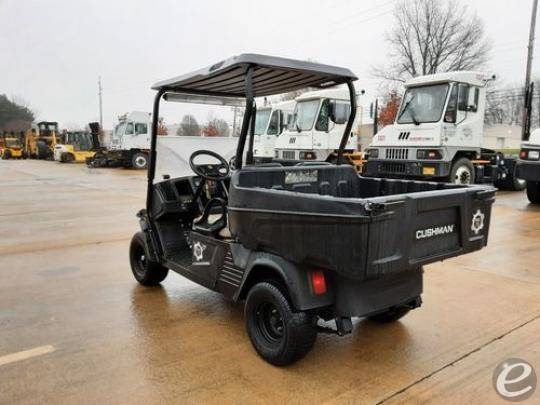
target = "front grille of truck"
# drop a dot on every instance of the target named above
(288, 154)
(397, 153)
(394, 168)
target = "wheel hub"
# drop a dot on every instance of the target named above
(270, 322)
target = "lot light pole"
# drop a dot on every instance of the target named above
(526, 127)
(100, 103)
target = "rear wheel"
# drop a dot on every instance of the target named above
(462, 172)
(139, 160)
(533, 191)
(390, 315)
(279, 335)
(146, 272)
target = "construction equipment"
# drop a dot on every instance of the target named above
(77, 147)
(11, 147)
(40, 140)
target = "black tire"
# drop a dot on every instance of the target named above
(67, 157)
(146, 272)
(279, 335)
(533, 191)
(462, 172)
(7, 154)
(43, 151)
(390, 315)
(139, 161)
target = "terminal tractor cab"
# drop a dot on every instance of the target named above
(272, 235)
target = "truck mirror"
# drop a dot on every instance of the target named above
(338, 112)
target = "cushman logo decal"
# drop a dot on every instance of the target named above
(477, 222)
(435, 231)
(198, 251)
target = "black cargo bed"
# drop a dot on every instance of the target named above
(329, 217)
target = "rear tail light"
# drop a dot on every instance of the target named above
(523, 154)
(318, 282)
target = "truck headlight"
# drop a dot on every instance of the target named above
(534, 155)
(372, 153)
(428, 154)
(307, 155)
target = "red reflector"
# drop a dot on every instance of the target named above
(318, 281)
(523, 154)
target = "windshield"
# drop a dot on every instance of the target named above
(12, 143)
(422, 104)
(261, 121)
(304, 115)
(81, 141)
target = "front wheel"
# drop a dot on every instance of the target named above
(139, 160)
(278, 334)
(462, 172)
(145, 271)
(533, 191)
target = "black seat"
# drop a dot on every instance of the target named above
(213, 224)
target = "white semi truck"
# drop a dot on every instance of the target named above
(270, 122)
(528, 166)
(130, 143)
(316, 129)
(438, 135)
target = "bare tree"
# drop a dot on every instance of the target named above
(189, 126)
(431, 36)
(216, 127)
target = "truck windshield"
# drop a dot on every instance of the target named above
(304, 115)
(12, 143)
(261, 121)
(422, 104)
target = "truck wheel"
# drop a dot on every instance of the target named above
(513, 184)
(146, 272)
(390, 315)
(462, 172)
(7, 154)
(533, 191)
(279, 335)
(139, 160)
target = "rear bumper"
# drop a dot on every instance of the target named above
(529, 171)
(406, 168)
(362, 298)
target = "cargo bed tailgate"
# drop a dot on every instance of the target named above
(414, 229)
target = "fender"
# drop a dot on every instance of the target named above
(295, 278)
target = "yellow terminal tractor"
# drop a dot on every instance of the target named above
(11, 147)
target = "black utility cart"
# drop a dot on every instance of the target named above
(302, 245)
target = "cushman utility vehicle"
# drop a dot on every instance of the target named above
(300, 244)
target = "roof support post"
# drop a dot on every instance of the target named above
(153, 144)
(249, 155)
(348, 127)
(247, 117)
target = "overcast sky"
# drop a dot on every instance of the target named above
(52, 51)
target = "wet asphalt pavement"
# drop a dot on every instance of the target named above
(75, 327)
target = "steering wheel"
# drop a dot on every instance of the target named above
(215, 172)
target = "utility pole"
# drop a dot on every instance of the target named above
(528, 89)
(100, 103)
